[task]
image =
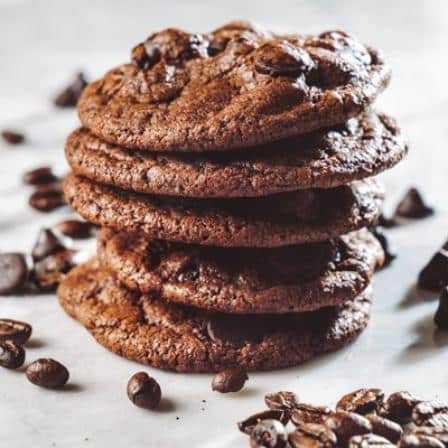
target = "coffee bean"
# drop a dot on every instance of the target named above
(440, 434)
(145, 55)
(49, 272)
(385, 428)
(321, 434)
(76, 229)
(419, 441)
(12, 137)
(398, 406)
(47, 198)
(369, 440)
(285, 401)
(47, 373)
(269, 434)
(70, 95)
(388, 252)
(431, 413)
(413, 206)
(144, 391)
(47, 243)
(346, 425)
(12, 355)
(361, 401)
(39, 176)
(230, 380)
(13, 272)
(441, 316)
(435, 274)
(282, 58)
(298, 440)
(249, 423)
(308, 413)
(14, 330)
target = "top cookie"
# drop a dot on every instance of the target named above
(235, 87)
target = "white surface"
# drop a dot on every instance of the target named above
(42, 43)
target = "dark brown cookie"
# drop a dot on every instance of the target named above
(361, 148)
(236, 87)
(303, 216)
(151, 331)
(281, 280)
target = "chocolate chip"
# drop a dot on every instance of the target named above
(346, 425)
(12, 137)
(70, 95)
(12, 355)
(76, 229)
(435, 274)
(49, 272)
(249, 423)
(230, 380)
(419, 441)
(285, 401)
(269, 434)
(388, 253)
(13, 272)
(361, 401)
(144, 391)
(441, 316)
(47, 373)
(398, 406)
(369, 440)
(320, 434)
(47, 243)
(282, 58)
(440, 434)
(39, 176)
(431, 413)
(308, 413)
(145, 55)
(14, 330)
(47, 198)
(385, 428)
(413, 206)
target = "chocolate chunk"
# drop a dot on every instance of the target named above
(385, 428)
(320, 434)
(145, 55)
(346, 425)
(419, 441)
(230, 380)
(435, 274)
(39, 176)
(398, 406)
(12, 355)
(76, 229)
(47, 373)
(13, 272)
(441, 316)
(381, 237)
(12, 137)
(144, 391)
(249, 423)
(269, 434)
(369, 440)
(308, 413)
(70, 95)
(47, 243)
(14, 330)
(361, 401)
(431, 413)
(413, 206)
(284, 400)
(47, 198)
(282, 58)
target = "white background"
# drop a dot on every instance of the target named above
(42, 43)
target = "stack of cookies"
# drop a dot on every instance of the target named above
(231, 173)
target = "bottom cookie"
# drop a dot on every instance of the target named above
(145, 329)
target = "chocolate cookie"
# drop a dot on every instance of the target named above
(235, 87)
(151, 331)
(287, 279)
(362, 147)
(286, 218)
